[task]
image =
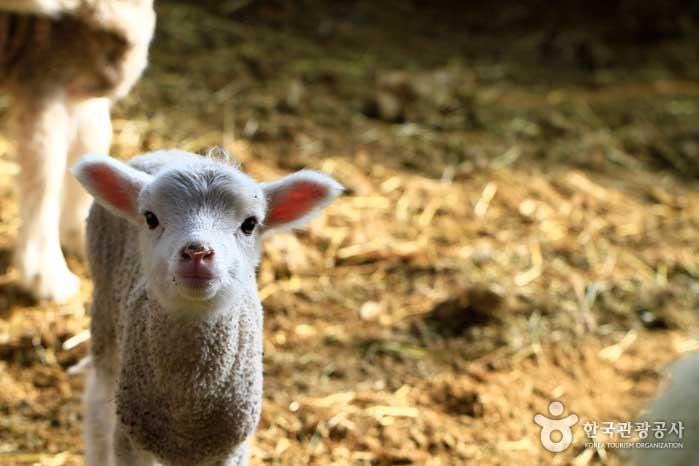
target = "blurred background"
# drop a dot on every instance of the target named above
(520, 224)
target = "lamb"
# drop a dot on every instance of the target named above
(173, 242)
(64, 62)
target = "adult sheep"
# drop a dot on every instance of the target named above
(64, 62)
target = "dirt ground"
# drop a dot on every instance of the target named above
(520, 224)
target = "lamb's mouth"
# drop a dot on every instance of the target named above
(197, 285)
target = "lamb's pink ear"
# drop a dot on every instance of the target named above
(294, 200)
(113, 184)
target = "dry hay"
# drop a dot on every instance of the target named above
(499, 246)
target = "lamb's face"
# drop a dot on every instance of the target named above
(200, 221)
(200, 235)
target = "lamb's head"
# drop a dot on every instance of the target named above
(201, 221)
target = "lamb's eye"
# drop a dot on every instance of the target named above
(151, 219)
(248, 225)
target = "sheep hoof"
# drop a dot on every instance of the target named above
(57, 284)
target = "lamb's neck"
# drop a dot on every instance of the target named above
(194, 378)
(203, 350)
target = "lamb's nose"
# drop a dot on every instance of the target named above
(196, 252)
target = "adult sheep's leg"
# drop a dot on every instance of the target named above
(100, 418)
(43, 129)
(93, 135)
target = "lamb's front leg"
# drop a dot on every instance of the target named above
(93, 135)
(99, 418)
(240, 458)
(128, 454)
(43, 126)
